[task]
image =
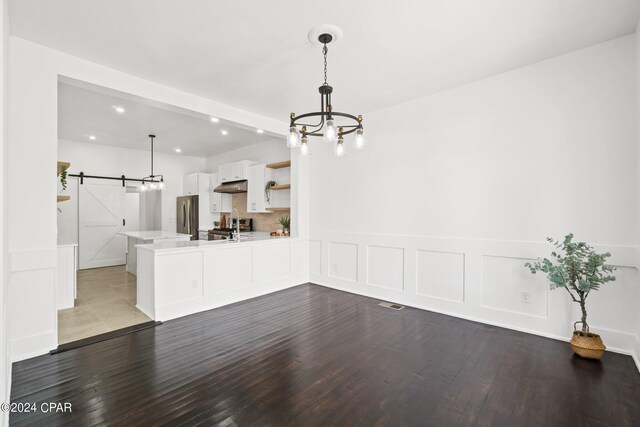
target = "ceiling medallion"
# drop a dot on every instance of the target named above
(328, 126)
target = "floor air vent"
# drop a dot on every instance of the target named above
(391, 305)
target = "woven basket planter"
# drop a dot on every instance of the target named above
(587, 345)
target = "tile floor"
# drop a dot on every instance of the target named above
(105, 302)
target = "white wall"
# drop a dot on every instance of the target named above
(457, 190)
(637, 76)
(32, 148)
(5, 364)
(94, 159)
(267, 152)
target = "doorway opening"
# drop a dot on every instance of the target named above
(105, 295)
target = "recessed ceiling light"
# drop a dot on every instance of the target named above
(118, 109)
(224, 132)
(178, 150)
(259, 131)
(92, 137)
(215, 119)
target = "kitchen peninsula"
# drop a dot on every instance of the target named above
(180, 278)
(135, 238)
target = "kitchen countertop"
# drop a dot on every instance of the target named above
(254, 236)
(152, 234)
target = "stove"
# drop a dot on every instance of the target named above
(246, 225)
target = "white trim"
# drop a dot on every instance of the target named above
(33, 259)
(318, 281)
(32, 346)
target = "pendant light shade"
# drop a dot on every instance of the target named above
(358, 139)
(293, 139)
(304, 146)
(338, 149)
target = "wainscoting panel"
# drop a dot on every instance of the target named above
(343, 261)
(508, 285)
(228, 270)
(477, 279)
(315, 256)
(440, 275)
(31, 302)
(272, 262)
(385, 267)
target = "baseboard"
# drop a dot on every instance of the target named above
(413, 304)
(636, 354)
(4, 415)
(32, 346)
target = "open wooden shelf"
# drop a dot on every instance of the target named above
(63, 166)
(281, 187)
(279, 165)
(278, 209)
(63, 198)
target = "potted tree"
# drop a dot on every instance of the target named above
(580, 270)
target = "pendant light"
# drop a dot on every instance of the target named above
(327, 127)
(149, 182)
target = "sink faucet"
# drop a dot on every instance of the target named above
(237, 230)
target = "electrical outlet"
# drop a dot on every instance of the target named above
(194, 284)
(525, 297)
(335, 267)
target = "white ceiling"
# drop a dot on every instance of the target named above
(254, 54)
(86, 110)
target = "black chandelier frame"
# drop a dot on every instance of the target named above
(151, 179)
(326, 110)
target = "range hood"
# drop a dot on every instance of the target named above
(232, 187)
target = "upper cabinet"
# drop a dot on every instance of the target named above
(195, 184)
(256, 195)
(218, 202)
(236, 171)
(190, 185)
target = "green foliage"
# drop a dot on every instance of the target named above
(577, 268)
(285, 221)
(267, 190)
(63, 179)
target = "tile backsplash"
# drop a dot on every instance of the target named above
(261, 221)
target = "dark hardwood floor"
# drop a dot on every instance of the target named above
(314, 356)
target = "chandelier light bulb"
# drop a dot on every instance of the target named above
(143, 187)
(339, 148)
(304, 146)
(152, 186)
(330, 132)
(161, 185)
(358, 140)
(293, 140)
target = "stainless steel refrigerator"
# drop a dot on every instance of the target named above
(187, 216)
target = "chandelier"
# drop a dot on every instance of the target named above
(149, 182)
(328, 126)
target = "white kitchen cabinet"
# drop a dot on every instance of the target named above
(224, 172)
(236, 171)
(199, 184)
(218, 202)
(190, 185)
(257, 179)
